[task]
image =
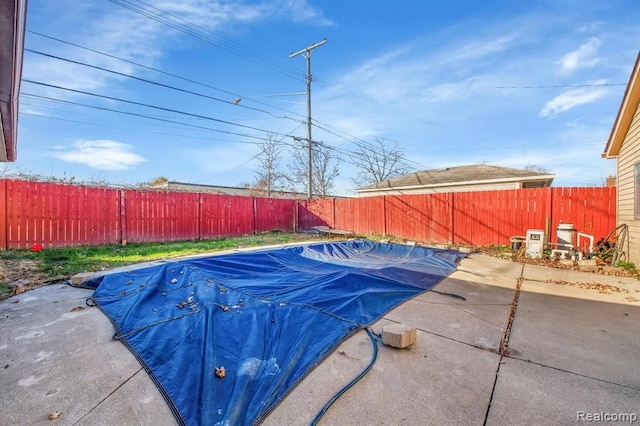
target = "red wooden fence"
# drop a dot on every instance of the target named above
(55, 215)
(474, 218)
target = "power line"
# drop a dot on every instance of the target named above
(235, 95)
(144, 80)
(204, 117)
(208, 36)
(137, 129)
(152, 118)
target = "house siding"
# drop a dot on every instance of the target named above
(628, 157)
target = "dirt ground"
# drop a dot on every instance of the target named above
(518, 256)
(24, 273)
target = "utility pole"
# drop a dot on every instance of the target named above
(307, 54)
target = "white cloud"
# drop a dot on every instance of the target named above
(583, 57)
(101, 154)
(479, 49)
(572, 98)
(300, 11)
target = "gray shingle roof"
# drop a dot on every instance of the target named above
(453, 175)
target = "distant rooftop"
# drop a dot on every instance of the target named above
(477, 173)
(227, 190)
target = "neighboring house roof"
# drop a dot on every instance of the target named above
(462, 175)
(13, 15)
(227, 190)
(626, 112)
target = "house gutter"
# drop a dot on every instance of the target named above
(13, 15)
(625, 115)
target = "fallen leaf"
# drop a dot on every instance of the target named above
(77, 308)
(54, 415)
(631, 299)
(220, 372)
(181, 305)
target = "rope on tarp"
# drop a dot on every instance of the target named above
(348, 386)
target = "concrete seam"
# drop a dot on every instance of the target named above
(493, 390)
(504, 343)
(107, 397)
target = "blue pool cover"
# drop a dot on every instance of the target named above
(268, 317)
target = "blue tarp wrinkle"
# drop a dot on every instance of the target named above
(265, 316)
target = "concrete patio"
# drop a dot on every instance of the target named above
(571, 350)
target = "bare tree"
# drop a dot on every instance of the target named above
(378, 162)
(324, 168)
(269, 177)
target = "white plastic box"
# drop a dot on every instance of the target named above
(536, 241)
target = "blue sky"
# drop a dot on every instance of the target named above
(513, 84)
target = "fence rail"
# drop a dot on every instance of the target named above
(56, 215)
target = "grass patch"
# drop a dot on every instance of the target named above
(5, 291)
(628, 266)
(60, 263)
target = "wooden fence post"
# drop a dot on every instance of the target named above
(4, 228)
(453, 208)
(255, 216)
(123, 217)
(549, 213)
(384, 215)
(199, 218)
(333, 202)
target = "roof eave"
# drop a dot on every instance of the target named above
(625, 115)
(11, 54)
(462, 183)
